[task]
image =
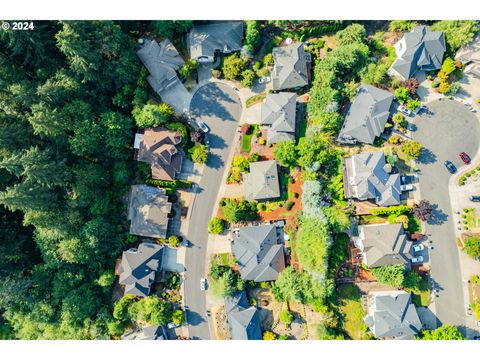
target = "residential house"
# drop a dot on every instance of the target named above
(278, 113)
(291, 67)
(383, 244)
(148, 211)
(162, 61)
(392, 315)
(137, 268)
(418, 50)
(205, 41)
(367, 115)
(262, 182)
(367, 176)
(259, 252)
(242, 318)
(153, 332)
(469, 55)
(161, 149)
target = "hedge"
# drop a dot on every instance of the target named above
(396, 210)
(175, 184)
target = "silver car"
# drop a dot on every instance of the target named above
(203, 284)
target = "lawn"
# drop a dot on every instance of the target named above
(422, 297)
(353, 314)
(469, 218)
(303, 128)
(246, 143)
(255, 99)
(226, 259)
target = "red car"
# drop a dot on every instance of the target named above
(465, 158)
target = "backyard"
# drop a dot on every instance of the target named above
(349, 299)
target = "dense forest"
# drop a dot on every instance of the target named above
(66, 92)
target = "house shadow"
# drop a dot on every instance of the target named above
(438, 217)
(427, 157)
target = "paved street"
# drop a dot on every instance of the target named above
(448, 130)
(219, 107)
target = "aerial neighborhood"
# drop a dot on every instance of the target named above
(242, 180)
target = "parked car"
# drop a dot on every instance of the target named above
(475, 198)
(203, 284)
(418, 247)
(264, 79)
(449, 165)
(405, 111)
(417, 260)
(406, 187)
(203, 126)
(172, 325)
(465, 158)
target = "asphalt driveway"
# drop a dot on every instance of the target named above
(219, 106)
(445, 131)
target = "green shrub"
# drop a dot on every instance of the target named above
(398, 210)
(392, 275)
(248, 78)
(402, 94)
(289, 205)
(286, 317)
(175, 184)
(216, 225)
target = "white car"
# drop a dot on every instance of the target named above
(417, 260)
(264, 79)
(406, 187)
(203, 126)
(203, 284)
(406, 111)
(418, 247)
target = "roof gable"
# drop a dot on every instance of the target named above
(262, 182)
(290, 69)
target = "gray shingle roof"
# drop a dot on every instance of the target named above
(259, 253)
(262, 181)
(365, 177)
(290, 69)
(367, 116)
(162, 61)
(278, 111)
(393, 316)
(469, 55)
(242, 318)
(138, 267)
(383, 244)
(148, 211)
(153, 332)
(420, 49)
(204, 40)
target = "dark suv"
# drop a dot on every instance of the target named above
(449, 165)
(475, 198)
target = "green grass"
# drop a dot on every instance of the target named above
(353, 314)
(303, 128)
(470, 216)
(246, 143)
(226, 259)
(422, 297)
(255, 99)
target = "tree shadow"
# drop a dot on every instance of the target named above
(193, 318)
(216, 100)
(215, 161)
(216, 142)
(427, 157)
(438, 217)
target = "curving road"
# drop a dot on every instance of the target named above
(448, 130)
(219, 106)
